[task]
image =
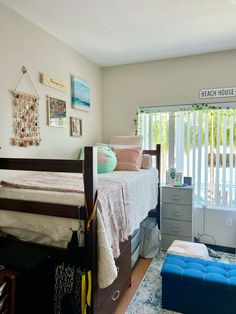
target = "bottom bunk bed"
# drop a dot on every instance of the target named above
(103, 300)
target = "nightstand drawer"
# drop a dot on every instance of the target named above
(167, 239)
(177, 227)
(176, 211)
(177, 195)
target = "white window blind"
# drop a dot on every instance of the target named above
(200, 142)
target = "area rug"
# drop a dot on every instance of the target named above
(147, 299)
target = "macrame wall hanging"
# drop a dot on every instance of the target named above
(26, 130)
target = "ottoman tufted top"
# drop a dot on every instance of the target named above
(200, 271)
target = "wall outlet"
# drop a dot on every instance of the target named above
(229, 222)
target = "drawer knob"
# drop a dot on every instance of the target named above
(175, 229)
(176, 198)
(115, 295)
(177, 213)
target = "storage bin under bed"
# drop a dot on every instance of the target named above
(135, 245)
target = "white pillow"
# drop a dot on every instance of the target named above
(127, 140)
(146, 161)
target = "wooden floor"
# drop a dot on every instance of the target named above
(137, 276)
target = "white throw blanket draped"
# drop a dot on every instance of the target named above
(107, 271)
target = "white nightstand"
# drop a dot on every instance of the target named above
(176, 214)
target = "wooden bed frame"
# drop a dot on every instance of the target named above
(89, 168)
(157, 154)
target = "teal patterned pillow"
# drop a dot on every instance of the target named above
(106, 159)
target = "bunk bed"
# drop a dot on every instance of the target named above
(103, 300)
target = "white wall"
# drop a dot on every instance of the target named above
(216, 230)
(167, 82)
(23, 43)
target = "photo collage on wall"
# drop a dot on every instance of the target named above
(26, 129)
(80, 100)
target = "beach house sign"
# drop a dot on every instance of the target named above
(218, 92)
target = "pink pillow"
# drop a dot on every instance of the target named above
(128, 158)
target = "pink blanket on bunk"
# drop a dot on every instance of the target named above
(58, 182)
(113, 200)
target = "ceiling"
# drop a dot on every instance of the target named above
(112, 32)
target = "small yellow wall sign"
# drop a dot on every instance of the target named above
(51, 81)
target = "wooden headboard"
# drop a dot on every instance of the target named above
(157, 153)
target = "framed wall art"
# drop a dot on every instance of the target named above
(26, 129)
(53, 82)
(56, 112)
(75, 126)
(80, 94)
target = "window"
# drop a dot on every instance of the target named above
(199, 141)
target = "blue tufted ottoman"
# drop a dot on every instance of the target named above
(193, 285)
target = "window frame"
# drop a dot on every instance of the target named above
(172, 140)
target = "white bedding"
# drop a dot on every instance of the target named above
(141, 192)
(42, 196)
(48, 230)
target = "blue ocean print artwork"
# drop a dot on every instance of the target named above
(80, 93)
